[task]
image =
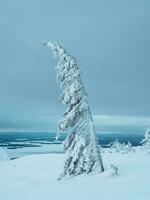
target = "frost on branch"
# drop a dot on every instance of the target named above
(146, 141)
(81, 146)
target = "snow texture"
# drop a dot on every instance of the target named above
(3, 155)
(34, 178)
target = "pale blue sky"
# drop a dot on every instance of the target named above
(111, 40)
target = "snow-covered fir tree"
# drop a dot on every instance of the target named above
(81, 146)
(146, 141)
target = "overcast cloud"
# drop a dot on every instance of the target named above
(111, 40)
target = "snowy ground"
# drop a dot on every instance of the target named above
(34, 178)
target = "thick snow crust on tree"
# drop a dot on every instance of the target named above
(3, 155)
(81, 147)
(146, 141)
(34, 178)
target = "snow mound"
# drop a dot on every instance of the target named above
(3, 155)
(34, 177)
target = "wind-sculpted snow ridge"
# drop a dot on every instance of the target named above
(81, 146)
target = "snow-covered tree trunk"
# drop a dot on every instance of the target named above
(81, 146)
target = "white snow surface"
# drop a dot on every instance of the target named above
(34, 177)
(3, 155)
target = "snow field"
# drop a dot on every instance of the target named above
(35, 178)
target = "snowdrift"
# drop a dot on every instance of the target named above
(35, 178)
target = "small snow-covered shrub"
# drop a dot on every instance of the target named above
(3, 155)
(129, 147)
(117, 147)
(114, 170)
